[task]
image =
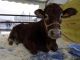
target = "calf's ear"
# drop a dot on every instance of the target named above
(69, 12)
(40, 11)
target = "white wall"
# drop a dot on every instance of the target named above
(41, 5)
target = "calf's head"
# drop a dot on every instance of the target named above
(54, 13)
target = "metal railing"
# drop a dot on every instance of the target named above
(17, 19)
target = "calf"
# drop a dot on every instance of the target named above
(42, 35)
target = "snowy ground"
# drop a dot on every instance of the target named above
(14, 52)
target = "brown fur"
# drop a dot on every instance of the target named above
(34, 35)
